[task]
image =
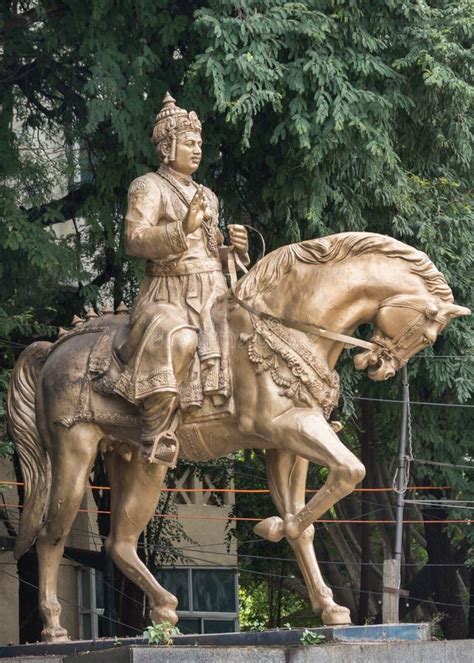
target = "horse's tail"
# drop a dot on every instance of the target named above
(34, 460)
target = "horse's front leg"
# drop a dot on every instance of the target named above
(287, 481)
(135, 490)
(307, 433)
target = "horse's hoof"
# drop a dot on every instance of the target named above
(161, 614)
(271, 529)
(336, 616)
(54, 634)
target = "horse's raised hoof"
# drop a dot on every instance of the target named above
(54, 634)
(337, 615)
(272, 529)
(161, 614)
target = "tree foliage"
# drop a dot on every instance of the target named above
(319, 116)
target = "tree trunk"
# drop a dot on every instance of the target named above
(445, 583)
(29, 617)
(470, 626)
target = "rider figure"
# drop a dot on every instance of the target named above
(173, 223)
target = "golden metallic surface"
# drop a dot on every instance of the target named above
(199, 371)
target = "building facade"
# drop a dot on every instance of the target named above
(204, 578)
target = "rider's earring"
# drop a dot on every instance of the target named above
(172, 154)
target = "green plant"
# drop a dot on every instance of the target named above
(312, 638)
(436, 628)
(161, 634)
(256, 625)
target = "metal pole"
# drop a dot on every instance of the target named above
(392, 567)
(402, 466)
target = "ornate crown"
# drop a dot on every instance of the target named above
(171, 121)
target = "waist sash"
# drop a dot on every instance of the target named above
(178, 268)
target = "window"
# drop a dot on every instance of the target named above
(213, 591)
(207, 598)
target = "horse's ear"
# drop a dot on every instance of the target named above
(455, 311)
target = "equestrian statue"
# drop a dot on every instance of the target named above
(199, 370)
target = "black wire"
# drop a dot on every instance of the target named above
(247, 542)
(358, 591)
(76, 605)
(440, 464)
(394, 400)
(260, 573)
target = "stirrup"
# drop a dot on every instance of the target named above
(168, 434)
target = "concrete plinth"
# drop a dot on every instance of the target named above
(354, 644)
(370, 633)
(270, 638)
(454, 651)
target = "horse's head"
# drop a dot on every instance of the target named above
(405, 325)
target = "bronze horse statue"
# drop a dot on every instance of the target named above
(290, 317)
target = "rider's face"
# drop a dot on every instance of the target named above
(188, 153)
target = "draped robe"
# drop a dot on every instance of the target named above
(183, 281)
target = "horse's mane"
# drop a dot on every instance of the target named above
(268, 272)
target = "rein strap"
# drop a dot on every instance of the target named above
(307, 327)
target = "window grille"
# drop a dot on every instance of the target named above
(207, 598)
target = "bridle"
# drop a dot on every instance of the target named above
(380, 346)
(428, 311)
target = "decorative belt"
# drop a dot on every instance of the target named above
(178, 268)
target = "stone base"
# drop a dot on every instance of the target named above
(128, 649)
(371, 633)
(459, 651)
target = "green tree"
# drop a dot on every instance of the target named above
(320, 116)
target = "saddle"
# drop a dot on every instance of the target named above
(98, 402)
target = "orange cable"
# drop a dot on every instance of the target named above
(252, 490)
(253, 519)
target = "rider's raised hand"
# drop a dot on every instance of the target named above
(196, 212)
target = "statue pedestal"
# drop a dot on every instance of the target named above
(286, 637)
(268, 646)
(388, 652)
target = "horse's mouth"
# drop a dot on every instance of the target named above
(382, 371)
(378, 368)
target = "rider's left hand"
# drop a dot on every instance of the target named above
(238, 238)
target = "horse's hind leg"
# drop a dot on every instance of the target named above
(72, 455)
(135, 490)
(287, 481)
